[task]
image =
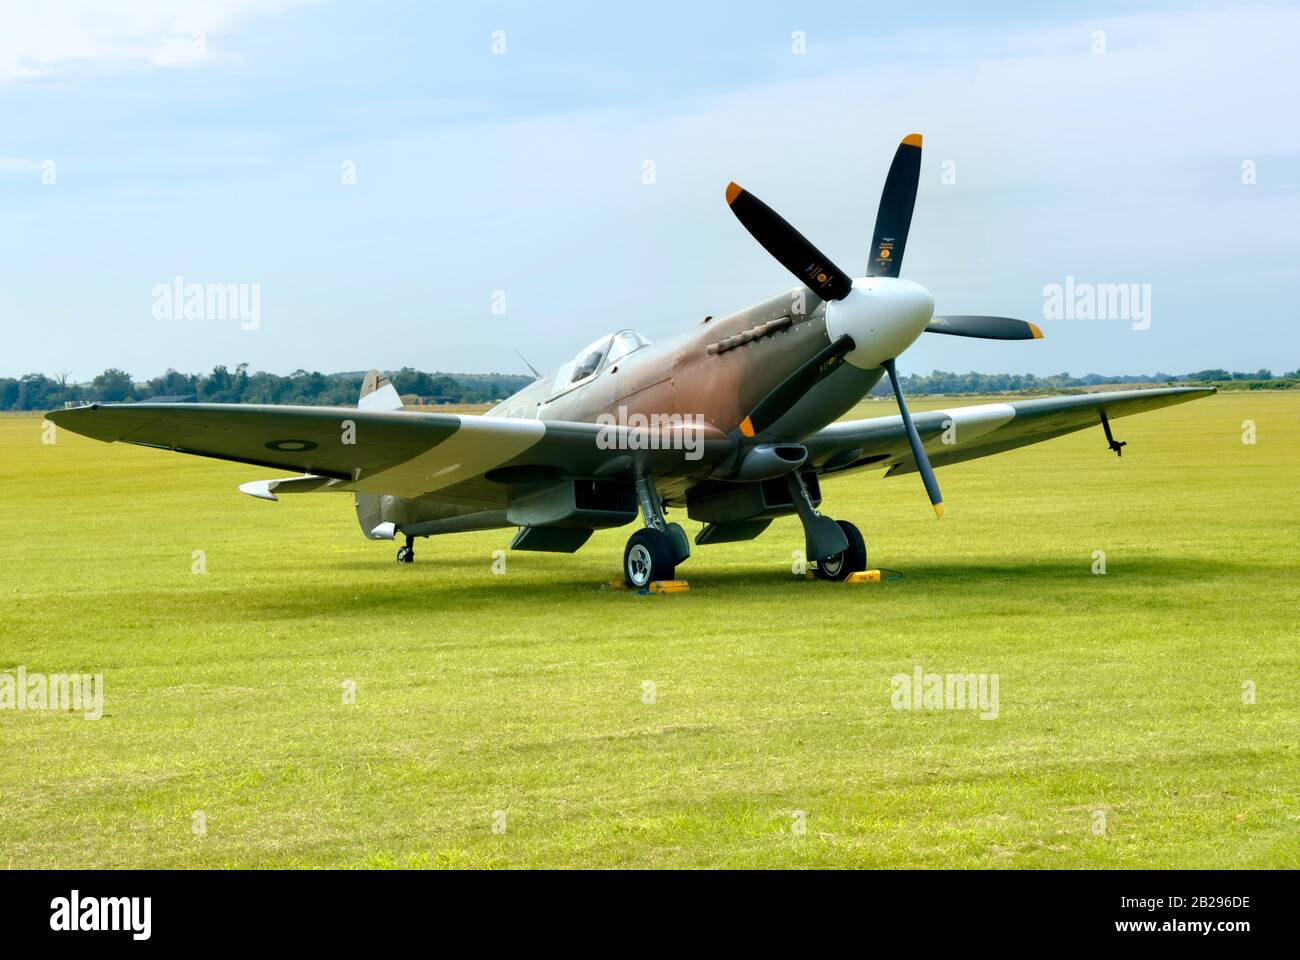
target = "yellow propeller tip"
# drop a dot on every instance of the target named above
(938, 511)
(747, 427)
(912, 140)
(1036, 330)
(733, 191)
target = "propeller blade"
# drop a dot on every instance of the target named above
(787, 393)
(985, 328)
(894, 216)
(914, 439)
(788, 246)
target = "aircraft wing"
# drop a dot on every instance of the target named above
(980, 430)
(461, 458)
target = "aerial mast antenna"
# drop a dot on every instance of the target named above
(526, 363)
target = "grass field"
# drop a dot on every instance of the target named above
(1121, 740)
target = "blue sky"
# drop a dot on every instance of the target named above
(522, 172)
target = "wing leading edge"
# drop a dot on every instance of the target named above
(487, 461)
(475, 460)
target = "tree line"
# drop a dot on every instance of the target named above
(36, 391)
(941, 381)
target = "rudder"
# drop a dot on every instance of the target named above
(377, 393)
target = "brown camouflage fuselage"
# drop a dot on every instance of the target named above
(717, 370)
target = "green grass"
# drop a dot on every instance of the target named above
(523, 692)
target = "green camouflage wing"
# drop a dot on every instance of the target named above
(470, 459)
(980, 430)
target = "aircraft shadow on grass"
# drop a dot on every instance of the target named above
(438, 585)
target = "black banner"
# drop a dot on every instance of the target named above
(957, 909)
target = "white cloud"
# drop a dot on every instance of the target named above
(42, 37)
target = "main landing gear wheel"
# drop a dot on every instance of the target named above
(851, 560)
(647, 557)
(406, 554)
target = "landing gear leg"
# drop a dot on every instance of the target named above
(653, 553)
(406, 554)
(822, 536)
(835, 547)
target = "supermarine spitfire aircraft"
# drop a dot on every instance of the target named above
(735, 420)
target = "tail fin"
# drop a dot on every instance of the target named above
(377, 394)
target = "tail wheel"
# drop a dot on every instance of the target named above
(648, 556)
(851, 559)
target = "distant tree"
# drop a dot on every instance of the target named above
(37, 392)
(220, 386)
(445, 388)
(307, 388)
(113, 386)
(341, 390)
(266, 388)
(173, 384)
(410, 381)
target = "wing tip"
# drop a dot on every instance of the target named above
(89, 420)
(65, 413)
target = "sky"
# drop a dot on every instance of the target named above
(437, 184)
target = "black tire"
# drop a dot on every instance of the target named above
(405, 555)
(852, 559)
(647, 557)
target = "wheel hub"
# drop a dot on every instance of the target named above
(638, 565)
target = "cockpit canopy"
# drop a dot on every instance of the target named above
(595, 356)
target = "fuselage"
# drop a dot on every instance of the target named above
(722, 367)
(715, 373)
